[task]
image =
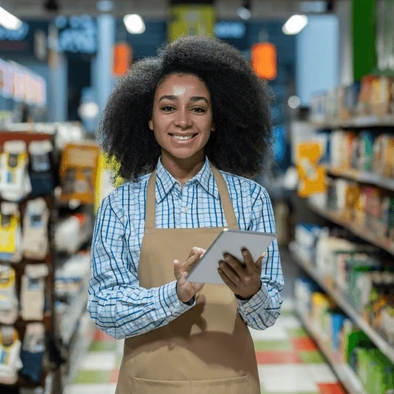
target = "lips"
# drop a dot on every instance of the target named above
(183, 137)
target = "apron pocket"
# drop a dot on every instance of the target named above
(148, 386)
(240, 385)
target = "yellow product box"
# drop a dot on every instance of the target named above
(381, 95)
(78, 168)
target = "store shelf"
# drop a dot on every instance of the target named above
(360, 121)
(342, 301)
(345, 374)
(363, 177)
(70, 321)
(336, 218)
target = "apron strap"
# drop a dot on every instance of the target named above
(223, 193)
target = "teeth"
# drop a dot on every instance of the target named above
(183, 137)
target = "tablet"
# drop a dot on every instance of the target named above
(232, 242)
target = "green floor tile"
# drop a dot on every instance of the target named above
(273, 345)
(91, 377)
(286, 312)
(119, 360)
(102, 346)
(297, 333)
(312, 357)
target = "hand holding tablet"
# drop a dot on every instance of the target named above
(232, 242)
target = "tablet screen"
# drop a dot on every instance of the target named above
(232, 242)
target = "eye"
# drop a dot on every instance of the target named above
(167, 108)
(199, 110)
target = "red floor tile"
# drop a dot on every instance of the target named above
(101, 336)
(277, 357)
(331, 388)
(114, 376)
(303, 344)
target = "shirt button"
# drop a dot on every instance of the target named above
(247, 309)
(186, 209)
(171, 309)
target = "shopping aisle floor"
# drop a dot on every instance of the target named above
(289, 363)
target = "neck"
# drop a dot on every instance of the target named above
(183, 170)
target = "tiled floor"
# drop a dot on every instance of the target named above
(289, 363)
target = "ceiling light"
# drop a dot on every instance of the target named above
(295, 24)
(294, 102)
(9, 21)
(134, 24)
(244, 10)
(243, 13)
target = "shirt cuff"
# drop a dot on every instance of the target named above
(168, 298)
(256, 302)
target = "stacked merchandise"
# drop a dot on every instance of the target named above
(26, 185)
(346, 342)
(356, 270)
(372, 97)
(36, 282)
(364, 279)
(364, 158)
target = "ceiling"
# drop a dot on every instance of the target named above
(154, 9)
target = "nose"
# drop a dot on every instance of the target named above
(183, 119)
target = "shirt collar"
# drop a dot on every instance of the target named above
(165, 181)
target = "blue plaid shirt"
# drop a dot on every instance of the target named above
(116, 302)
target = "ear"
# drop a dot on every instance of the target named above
(151, 124)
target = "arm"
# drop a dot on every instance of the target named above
(116, 303)
(262, 310)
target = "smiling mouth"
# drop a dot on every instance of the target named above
(183, 137)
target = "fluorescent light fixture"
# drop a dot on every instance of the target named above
(9, 21)
(134, 24)
(244, 13)
(295, 24)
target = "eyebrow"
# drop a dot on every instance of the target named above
(193, 98)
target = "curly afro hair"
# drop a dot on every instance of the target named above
(242, 142)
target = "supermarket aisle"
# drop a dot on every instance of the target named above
(289, 362)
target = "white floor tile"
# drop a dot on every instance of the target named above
(288, 304)
(274, 333)
(322, 373)
(288, 322)
(287, 379)
(110, 388)
(120, 346)
(99, 361)
(87, 389)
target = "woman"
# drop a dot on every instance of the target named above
(185, 127)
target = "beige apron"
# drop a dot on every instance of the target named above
(206, 350)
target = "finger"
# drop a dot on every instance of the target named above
(231, 275)
(177, 269)
(226, 280)
(238, 267)
(248, 259)
(260, 261)
(182, 279)
(191, 261)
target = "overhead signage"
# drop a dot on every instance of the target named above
(21, 85)
(229, 29)
(77, 34)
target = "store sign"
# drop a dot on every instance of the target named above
(77, 34)
(191, 20)
(5, 79)
(25, 40)
(21, 85)
(226, 29)
(14, 35)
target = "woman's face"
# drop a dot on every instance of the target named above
(182, 118)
